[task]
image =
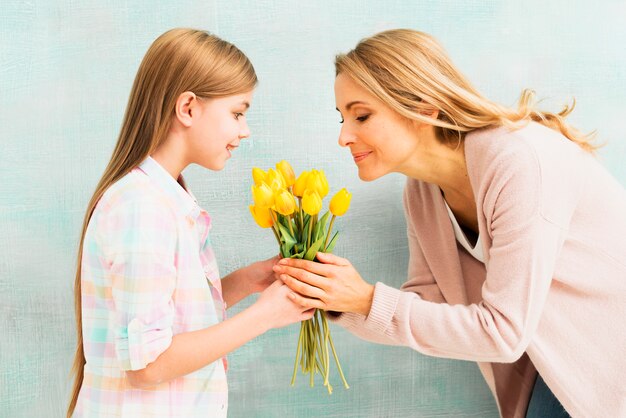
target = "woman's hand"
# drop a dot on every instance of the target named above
(260, 274)
(332, 284)
(276, 309)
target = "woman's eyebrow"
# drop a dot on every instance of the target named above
(349, 105)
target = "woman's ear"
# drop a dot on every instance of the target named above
(429, 111)
(185, 106)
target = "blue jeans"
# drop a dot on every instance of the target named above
(543, 403)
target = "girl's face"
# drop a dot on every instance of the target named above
(381, 141)
(221, 125)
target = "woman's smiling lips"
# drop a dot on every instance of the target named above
(359, 156)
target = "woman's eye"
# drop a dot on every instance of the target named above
(362, 118)
(341, 121)
(237, 115)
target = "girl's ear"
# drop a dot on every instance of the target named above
(185, 105)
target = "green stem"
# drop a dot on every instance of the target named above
(301, 216)
(326, 351)
(311, 224)
(312, 358)
(343, 378)
(330, 227)
(290, 227)
(295, 363)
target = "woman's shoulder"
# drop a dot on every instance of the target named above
(525, 144)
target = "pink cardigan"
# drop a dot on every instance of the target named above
(551, 295)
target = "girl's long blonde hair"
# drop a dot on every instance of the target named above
(179, 60)
(410, 72)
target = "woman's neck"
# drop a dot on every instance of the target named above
(445, 166)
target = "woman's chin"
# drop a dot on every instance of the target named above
(368, 175)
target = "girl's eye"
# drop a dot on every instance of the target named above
(362, 118)
(237, 115)
(341, 121)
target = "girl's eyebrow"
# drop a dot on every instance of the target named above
(246, 104)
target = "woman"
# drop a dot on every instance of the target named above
(516, 234)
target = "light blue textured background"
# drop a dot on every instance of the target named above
(66, 69)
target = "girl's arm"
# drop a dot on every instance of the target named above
(251, 279)
(191, 351)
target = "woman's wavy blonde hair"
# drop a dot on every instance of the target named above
(410, 72)
(179, 60)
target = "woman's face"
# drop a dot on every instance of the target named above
(381, 141)
(220, 126)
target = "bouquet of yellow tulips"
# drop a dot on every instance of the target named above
(301, 233)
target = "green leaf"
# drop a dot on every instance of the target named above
(284, 250)
(320, 228)
(313, 249)
(305, 231)
(331, 244)
(284, 220)
(288, 241)
(297, 255)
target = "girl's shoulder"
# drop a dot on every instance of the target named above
(134, 192)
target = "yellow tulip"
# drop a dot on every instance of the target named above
(300, 185)
(325, 187)
(311, 202)
(275, 180)
(263, 195)
(261, 216)
(315, 182)
(284, 203)
(285, 169)
(258, 175)
(340, 202)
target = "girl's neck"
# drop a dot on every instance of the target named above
(171, 155)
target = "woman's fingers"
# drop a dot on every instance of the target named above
(312, 266)
(328, 258)
(302, 287)
(302, 275)
(306, 302)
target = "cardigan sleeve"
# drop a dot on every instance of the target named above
(522, 259)
(420, 282)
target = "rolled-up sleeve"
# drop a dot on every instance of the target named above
(140, 238)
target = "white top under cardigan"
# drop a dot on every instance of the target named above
(475, 251)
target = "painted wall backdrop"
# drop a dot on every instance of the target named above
(66, 68)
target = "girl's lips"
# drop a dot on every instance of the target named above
(230, 148)
(360, 156)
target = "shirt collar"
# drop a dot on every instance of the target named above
(182, 199)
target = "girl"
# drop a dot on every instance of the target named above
(150, 305)
(516, 234)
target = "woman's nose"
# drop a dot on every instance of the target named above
(345, 137)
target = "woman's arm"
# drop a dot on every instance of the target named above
(525, 247)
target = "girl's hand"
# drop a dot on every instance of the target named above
(332, 284)
(277, 310)
(261, 275)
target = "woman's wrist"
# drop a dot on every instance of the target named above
(364, 304)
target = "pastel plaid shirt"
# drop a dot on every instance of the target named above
(148, 273)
